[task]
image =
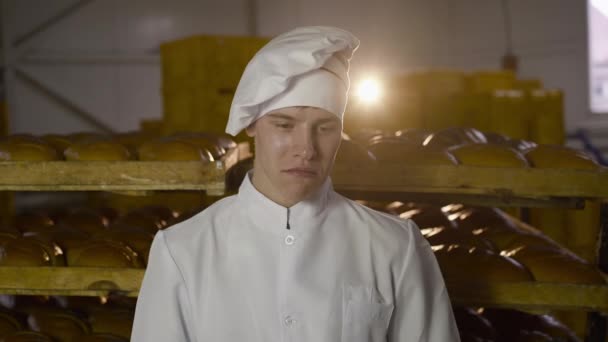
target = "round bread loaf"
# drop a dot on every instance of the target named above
(9, 231)
(132, 141)
(551, 156)
(496, 138)
(51, 248)
(22, 306)
(104, 253)
(364, 135)
(393, 208)
(488, 155)
(143, 220)
(427, 217)
(451, 236)
(205, 142)
(551, 265)
(81, 304)
(59, 142)
(65, 238)
(8, 324)
(26, 148)
(117, 301)
(33, 221)
(151, 216)
(557, 330)
(28, 336)
(486, 265)
(223, 140)
(173, 150)
(454, 136)
(474, 218)
(471, 323)
(23, 252)
(97, 150)
(112, 321)
(138, 239)
(414, 136)
(508, 240)
(102, 338)
(59, 324)
(109, 214)
(513, 325)
(85, 219)
(522, 146)
(398, 150)
(352, 152)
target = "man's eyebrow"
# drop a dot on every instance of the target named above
(326, 120)
(281, 116)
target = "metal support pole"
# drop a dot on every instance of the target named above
(50, 22)
(64, 102)
(597, 323)
(252, 17)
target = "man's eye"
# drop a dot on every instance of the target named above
(284, 125)
(327, 128)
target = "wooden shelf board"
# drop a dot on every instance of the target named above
(120, 175)
(97, 281)
(502, 183)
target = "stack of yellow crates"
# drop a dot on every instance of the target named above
(6, 198)
(493, 101)
(200, 75)
(3, 118)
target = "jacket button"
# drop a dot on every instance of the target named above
(289, 321)
(290, 240)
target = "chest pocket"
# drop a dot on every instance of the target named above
(365, 320)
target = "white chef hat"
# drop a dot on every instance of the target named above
(307, 66)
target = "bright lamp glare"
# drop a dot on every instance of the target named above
(369, 91)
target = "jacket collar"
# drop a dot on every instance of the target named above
(268, 215)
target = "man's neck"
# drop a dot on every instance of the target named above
(265, 187)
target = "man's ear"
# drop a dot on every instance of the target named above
(250, 130)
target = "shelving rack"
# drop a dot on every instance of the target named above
(463, 184)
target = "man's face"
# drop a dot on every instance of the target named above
(295, 148)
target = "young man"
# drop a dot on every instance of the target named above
(288, 259)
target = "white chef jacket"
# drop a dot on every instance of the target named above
(325, 270)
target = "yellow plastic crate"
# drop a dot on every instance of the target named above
(483, 81)
(178, 110)
(210, 110)
(547, 116)
(200, 109)
(528, 84)
(209, 61)
(153, 127)
(200, 75)
(3, 118)
(480, 104)
(437, 82)
(509, 114)
(441, 111)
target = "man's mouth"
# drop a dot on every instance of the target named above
(301, 172)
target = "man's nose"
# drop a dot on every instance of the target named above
(305, 145)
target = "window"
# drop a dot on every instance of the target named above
(598, 55)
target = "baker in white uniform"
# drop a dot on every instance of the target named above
(287, 258)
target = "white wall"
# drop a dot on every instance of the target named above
(104, 57)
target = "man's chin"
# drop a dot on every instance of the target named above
(299, 191)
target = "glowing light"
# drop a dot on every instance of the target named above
(369, 91)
